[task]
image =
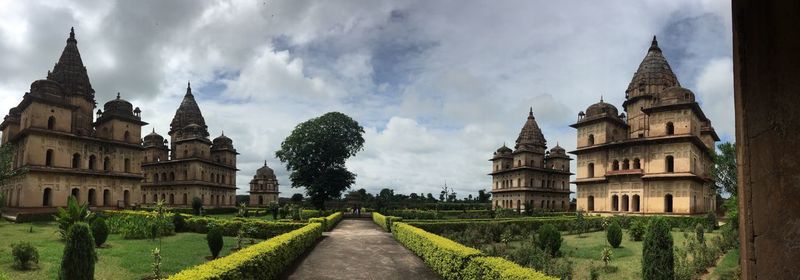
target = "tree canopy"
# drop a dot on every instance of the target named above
(315, 153)
(7, 170)
(724, 171)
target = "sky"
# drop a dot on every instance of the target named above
(437, 85)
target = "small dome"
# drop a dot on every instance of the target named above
(601, 109)
(42, 87)
(153, 139)
(558, 151)
(118, 106)
(504, 150)
(222, 142)
(265, 172)
(674, 95)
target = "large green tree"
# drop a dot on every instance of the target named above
(7, 153)
(724, 171)
(316, 152)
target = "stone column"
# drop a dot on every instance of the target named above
(766, 52)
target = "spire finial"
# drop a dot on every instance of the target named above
(154, 130)
(530, 113)
(223, 133)
(118, 97)
(654, 45)
(601, 98)
(265, 162)
(188, 88)
(72, 32)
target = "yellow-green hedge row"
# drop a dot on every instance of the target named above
(451, 260)
(265, 260)
(385, 221)
(329, 222)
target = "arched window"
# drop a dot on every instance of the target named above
(126, 198)
(668, 203)
(47, 197)
(126, 137)
(92, 197)
(92, 162)
(171, 199)
(635, 203)
(76, 161)
(185, 201)
(155, 198)
(591, 139)
(106, 198)
(625, 202)
(172, 176)
(614, 203)
(669, 163)
(626, 164)
(185, 175)
(615, 165)
(637, 164)
(51, 123)
(144, 198)
(163, 197)
(106, 164)
(670, 128)
(590, 170)
(260, 200)
(224, 181)
(127, 165)
(76, 193)
(563, 185)
(155, 178)
(519, 162)
(48, 160)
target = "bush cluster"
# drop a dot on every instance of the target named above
(549, 239)
(637, 230)
(138, 224)
(79, 256)
(25, 255)
(452, 260)
(265, 260)
(385, 221)
(99, 231)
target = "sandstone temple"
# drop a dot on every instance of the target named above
(654, 160)
(529, 175)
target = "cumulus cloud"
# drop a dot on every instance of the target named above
(438, 86)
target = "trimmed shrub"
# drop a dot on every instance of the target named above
(230, 227)
(549, 239)
(214, 239)
(385, 221)
(265, 260)
(444, 256)
(499, 268)
(333, 220)
(699, 232)
(614, 234)
(657, 253)
(79, 257)
(179, 222)
(711, 220)
(322, 221)
(636, 230)
(24, 255)
(526, 224)
(99, 231)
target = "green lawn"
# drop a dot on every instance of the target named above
(625, 261)
(727, 267)
(123, 259)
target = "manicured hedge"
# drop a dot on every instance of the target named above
(265, 260)
(385, 221)
(673, 221)
(452, 260)
(207, 211)
(525, 224)
(252, 227)
(446, 257)
(329, 222)
(501, 269)
(415, 214)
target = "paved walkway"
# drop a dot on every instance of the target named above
(359, 249)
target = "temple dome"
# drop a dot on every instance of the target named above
(222, 142)
(188, 113)
(653, 75)
(530, 135)
(503, 150)
(558, 151)
(153, 139)
(118, 106)
(265, 172)
(601, 109)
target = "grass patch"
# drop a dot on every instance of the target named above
(122, 259)
(625, 261)
(728, 266)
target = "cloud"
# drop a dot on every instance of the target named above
(438, 86)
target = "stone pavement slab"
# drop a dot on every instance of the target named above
(359, 249)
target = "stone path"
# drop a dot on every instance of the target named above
(359, 249)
